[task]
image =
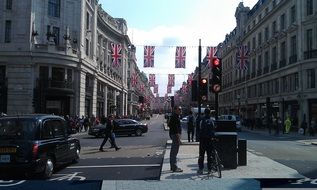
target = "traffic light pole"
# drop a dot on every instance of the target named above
(199, 79)
(216, 106)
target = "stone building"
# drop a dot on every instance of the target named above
(55, 57)
(282, 38)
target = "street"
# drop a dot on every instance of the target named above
(139, 158)
(292, 151)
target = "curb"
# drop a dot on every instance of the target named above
(314, 143)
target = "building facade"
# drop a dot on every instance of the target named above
(282, 38)
(55, 57)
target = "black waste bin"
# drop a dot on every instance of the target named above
(242, 152)
(227, 149)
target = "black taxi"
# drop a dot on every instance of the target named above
(36, 144)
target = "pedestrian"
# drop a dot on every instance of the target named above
(86, 123)
(190, 127)
(108, 132)
(278, 124)
(288, 124)
(304, 125)
(175, 132)
(311, 129)
(207, 131)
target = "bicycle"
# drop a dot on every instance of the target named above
(216, 162)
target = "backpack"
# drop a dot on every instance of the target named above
(207, 128)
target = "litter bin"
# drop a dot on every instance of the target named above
(242, 152)
(227, 149)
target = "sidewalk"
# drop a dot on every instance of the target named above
(257, 166)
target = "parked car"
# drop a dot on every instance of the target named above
(232, 118)
(97, 130)
(129, 127)
(35, 144)
(121, 127)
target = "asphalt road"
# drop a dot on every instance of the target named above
(140, 158)
(290, 151)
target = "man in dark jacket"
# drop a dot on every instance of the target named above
(175, 132)
(108, 133)
(207, 127)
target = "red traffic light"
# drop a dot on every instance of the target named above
(204, 81)
(215, 62)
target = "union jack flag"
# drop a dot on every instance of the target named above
(180, 57)
(149, 56)
(142, 88)
(190, 79)
(156, 88)
(171, 80)
(134, 79)
(169, 89)
(116, 54)
(243, 55)
(151, 79)
(211, 54)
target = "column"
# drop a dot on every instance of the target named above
(94, 97)
(115, 101)
(82, 92)
(106, 101)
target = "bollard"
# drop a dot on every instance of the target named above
(242, 152)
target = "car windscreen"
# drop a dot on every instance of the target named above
(19, 129)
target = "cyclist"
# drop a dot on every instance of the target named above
(206, 133)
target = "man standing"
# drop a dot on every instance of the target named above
(207, 131)
(175, 132)
(190, 127)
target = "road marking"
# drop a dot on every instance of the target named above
(4, 183)
(116, 166)
(68, 177)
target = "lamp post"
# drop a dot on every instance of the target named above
(238, 97)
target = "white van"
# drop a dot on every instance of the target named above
(232, 118)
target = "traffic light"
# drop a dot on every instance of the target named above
(216, 75)
(204, 89)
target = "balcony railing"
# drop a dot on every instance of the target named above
(310, 54)
(293, 59)
(282, 63)
(253, 75)
(259, 72)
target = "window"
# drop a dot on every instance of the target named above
(282, 22)
(283, 51)
(266, 33)
(293, 46)
(274, 55)
(309, 39)
(87, 47)
(87, 20)
(54, 8)
(274, 3)
(56, 35)
(274, 28)
(9, 4)
(266, 59)
(58, 128)
(7, 35)
(58, 74)
(259, 62)
(309, 7)
(293, 14)
(311, 78)
(253, 43)
(47, 130)
(260, 38)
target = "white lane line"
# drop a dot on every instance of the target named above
(116, 166)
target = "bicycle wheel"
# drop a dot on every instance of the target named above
(217, 164)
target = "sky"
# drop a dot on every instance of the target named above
(166, 24)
